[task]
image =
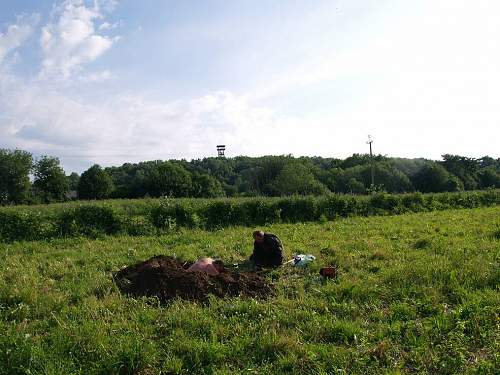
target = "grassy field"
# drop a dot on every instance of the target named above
(417, 293)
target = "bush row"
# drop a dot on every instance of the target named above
(95, 220)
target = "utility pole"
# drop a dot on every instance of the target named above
(370, 141)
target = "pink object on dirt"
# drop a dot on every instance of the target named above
(204, 265)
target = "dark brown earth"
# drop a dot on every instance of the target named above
(166, 278)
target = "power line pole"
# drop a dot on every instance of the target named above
(370, 141)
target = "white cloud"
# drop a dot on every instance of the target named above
(16, 34)
(109, 26)
(71, 39)
(96, 77)
(106, 5)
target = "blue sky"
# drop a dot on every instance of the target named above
(114, 81)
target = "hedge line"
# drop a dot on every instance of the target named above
(95, 220)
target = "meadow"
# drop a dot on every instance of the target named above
(416, 293)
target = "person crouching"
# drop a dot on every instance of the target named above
(267, 250)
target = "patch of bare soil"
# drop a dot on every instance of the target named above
(166, 278)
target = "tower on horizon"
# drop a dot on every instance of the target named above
(220, 150)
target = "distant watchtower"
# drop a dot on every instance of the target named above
(220, 150)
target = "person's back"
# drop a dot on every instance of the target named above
(268, 250)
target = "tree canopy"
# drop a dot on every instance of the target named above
(15, 166)
(95, 183)
(50, 181)
(25, 181)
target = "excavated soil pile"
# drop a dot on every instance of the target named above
(166, 278)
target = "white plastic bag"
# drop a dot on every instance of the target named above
(302, 260)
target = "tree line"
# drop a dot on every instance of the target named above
(24, 179)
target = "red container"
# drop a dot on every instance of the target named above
(328, 272)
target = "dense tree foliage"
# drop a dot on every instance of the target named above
(489, 178)
(73, 180)
(286, 175)
(242, 176)
(206, 186)
(170, 179)
(435, 178)
(95, 183)
(296, 178)
(15, 166)
(50, 182)
(466, 169)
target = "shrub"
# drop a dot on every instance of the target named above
(257, 212)
(16, 226)
(384, 203)
(414, 202)
(297, 209)
(219, 214)
(186, 216)
(469, 200)
(490, 197)
(433, 203)
(169, 215)
(145, 217)
(163, 215)
(334, 206)
(89, 221)
(139, 226)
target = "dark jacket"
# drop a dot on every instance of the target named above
(268, 253)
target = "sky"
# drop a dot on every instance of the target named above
(115, 81)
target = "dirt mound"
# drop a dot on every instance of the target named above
(166, 278)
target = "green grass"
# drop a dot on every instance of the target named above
(417, 293)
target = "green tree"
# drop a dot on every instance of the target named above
(73, 180)
(95, 183)
(269, 169)
(349, 180)
(206, 186)
(296, 178)
(169, 178)
(360, 159)
(220, 168)
(50, 182)
(355, 186)
(129, 179)
(15, 166)
(464, 168)
(434, 177)
(489, 177)
(386, 176)
(487, 161)
(407, 166)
